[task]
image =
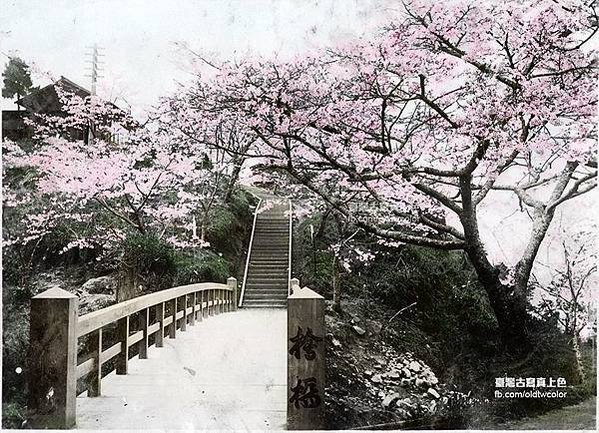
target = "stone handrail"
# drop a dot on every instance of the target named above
(55, 330)
(290, 248)
(247, 261)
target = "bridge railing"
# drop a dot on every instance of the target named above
(56, 330)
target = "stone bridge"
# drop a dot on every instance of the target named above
(187, 357)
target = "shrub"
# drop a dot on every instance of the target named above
(15, 346)
(150, 259)
(312, 260)
(202, 267)
(229, 225)
(318, 273)
(240, 204)
(219, 229)
(14, 415)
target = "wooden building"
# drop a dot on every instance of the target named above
(41, 101)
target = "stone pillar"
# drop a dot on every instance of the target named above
(305, 360)
(294, 283)
(232, 283)
(53, 359)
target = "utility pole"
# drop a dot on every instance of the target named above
(95, 65)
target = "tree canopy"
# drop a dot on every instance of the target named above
(17, 79)
(407, 133)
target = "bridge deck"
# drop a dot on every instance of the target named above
(227, 372)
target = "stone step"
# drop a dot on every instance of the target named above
(274, 243)
(267, 252)
(267, 225)
(275, 283)
(273, 261)
(265, 255)
(272, 219)
(269, 275)
(269, 266)
(280, 238)
(271, 234)
(265, 304)
(279, 247)
(266, 248)
(275, 266)
(261, 261)
(264, 296)
(271, 226)
(266, 286)
(272, 278)
(273, 222)
(266, 291)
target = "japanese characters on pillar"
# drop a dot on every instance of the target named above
(305, 360)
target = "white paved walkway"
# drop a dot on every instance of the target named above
(225, 373)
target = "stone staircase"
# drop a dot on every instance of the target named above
(266, 283)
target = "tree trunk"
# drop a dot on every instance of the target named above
(336, 288)
(508, 305)
(575, 344)
(322, 225)
(233, 179)
(127, 287)
(540, 225)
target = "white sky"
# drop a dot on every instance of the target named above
(138, 36)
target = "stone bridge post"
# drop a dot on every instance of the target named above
(305, 359)
(232, 283)
(53, 359)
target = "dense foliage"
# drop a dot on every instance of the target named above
(407, 135)
(429, 303)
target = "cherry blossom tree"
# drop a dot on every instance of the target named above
(567, 293)
(103, 176)
(191, 118)
(407, 134)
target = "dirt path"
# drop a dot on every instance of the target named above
(578, 417)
